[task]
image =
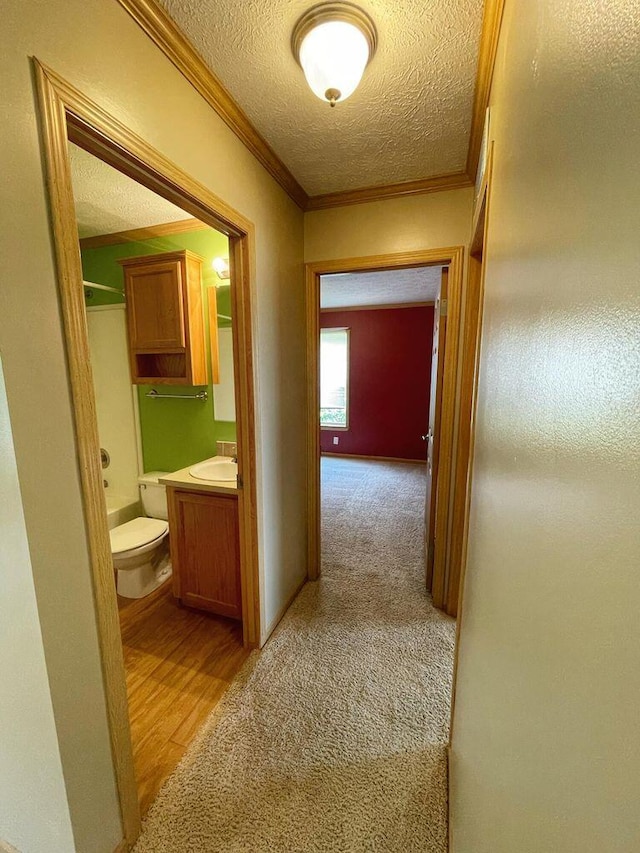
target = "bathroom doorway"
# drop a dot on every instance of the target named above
(178, 655)
(155, 297)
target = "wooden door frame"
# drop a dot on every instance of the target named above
(472, 337)
(67, 114)
(453, 257)
(437, 591)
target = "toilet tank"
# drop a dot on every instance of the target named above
(153, 495)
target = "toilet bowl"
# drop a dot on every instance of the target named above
(140, 547)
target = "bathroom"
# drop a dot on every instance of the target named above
(158, 300)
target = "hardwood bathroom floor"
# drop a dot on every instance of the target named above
(178, 664)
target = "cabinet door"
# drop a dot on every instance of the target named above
(205, 552)
(155, 305)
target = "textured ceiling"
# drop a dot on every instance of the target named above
(108, 201)
(420, 284)
(410, 117)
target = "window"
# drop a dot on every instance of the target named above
(334, 378)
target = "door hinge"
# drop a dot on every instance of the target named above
(239, 483)
(443, 307)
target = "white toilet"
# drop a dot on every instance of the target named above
(140, 547)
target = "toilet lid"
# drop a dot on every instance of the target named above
(134, 534)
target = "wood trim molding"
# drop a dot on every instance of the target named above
(490, 33)
(54, 130)
(94, 129)
(169, 38)
(67, 114)
(312, 334)
(391, 307)
(243, 295)
(437, 183)
(472, 341)
(166, 34)
(374, 458)
(460, 506)
(380, 263)
(453, 257)
(164, 229)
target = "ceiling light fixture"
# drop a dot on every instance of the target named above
(334, 43)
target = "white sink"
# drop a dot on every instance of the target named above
(221, 469)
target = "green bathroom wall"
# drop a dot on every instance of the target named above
(175, 433)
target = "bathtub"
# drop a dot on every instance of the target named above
(121, 509)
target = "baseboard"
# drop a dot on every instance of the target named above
(279, 615)
(374, 458)
(449, 821)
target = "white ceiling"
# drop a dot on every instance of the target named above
(419, 284)
(410, 117)
(108, 201)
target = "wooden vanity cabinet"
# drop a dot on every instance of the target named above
(165, 319)
(205, 551)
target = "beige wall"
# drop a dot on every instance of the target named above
(97, 47)
(31, 780)
(546, 748)
(435, 220)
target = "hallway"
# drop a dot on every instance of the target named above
(333, 738)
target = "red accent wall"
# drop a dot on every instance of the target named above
(389, 379)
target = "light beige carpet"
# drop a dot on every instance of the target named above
(333, 737)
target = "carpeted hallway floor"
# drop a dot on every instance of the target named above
(333, 737)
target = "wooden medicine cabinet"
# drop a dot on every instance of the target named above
(165, 319)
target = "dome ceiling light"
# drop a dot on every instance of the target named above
(334, 43)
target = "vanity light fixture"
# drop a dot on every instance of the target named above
(221, 266)
(334, 43)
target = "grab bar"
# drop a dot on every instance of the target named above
(201, 395)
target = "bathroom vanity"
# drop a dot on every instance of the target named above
(205, 543)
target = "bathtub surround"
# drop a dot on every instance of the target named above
(121, 510)
(357, 746)
(175, 433)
